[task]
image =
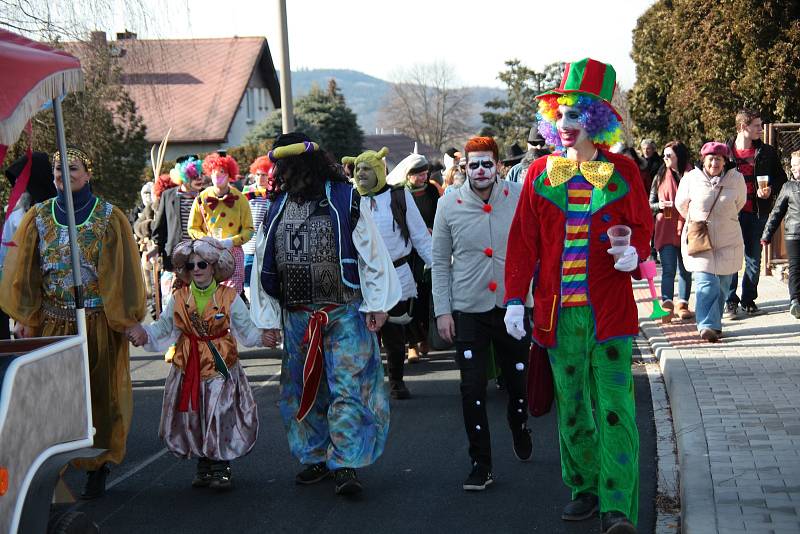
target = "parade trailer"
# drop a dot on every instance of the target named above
(45, 400)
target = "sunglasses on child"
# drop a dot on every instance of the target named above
(486, 164)
(190, 265)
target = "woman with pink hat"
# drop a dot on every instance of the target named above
(711, 197)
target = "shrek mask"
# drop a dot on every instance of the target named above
(366, 179)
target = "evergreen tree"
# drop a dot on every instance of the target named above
(102, 121)
(323, 115)
(699, 62)
(517, 112)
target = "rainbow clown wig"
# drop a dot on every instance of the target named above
(186, 170)
(214, 162)
(587, 85)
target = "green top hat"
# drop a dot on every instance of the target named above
(588, 76)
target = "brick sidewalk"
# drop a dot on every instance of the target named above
(736, 412)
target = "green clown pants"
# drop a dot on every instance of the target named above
(597, 456)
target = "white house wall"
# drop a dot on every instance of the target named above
(245, 120)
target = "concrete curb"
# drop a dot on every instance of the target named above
(698, 508)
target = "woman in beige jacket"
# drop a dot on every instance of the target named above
(712, 270)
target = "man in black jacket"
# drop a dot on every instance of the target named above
(787, 207)
(174, 205)
(760, 164)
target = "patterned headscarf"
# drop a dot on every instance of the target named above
(74, 153)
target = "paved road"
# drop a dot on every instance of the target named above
(414, 487)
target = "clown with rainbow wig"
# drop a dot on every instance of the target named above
(222, 212)
(585, 313)
(171, 221)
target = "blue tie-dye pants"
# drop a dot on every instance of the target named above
(349, 422)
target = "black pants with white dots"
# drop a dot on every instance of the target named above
(475, 333)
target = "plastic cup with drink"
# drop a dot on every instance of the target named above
(763, 182)
(619, 237)
(667, 209)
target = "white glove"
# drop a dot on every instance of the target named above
(515, 320)
(628, 261)
(227, 243)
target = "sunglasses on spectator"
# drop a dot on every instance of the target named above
(486, 164)
(190, 265)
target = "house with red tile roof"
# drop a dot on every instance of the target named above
(209, 92)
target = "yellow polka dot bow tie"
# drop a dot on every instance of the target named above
(560, 170)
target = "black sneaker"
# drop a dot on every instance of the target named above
(347, 482)
(750, 308)
(202, 478)
(583, 506)
(95, 483)
(731, 310)
(398, 390)
(479, 478)
(523, 446)
(221, 476)
(312, 474)
(616, 523)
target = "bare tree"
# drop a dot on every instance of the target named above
(52, 20)
(425, 104)
(621, 104)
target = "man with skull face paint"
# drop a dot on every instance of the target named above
(402, 228)
(585, 313)
(470, 235)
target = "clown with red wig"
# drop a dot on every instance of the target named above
(256, 195)
(221, 211)
(585, 312)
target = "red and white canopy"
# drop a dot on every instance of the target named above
(31, 74)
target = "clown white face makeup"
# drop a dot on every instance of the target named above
(481, 169)
(365, 176)
(570, 130)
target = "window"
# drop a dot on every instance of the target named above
(249, 109)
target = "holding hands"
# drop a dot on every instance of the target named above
(136, 335)
(270, 337)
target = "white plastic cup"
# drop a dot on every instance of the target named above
(763, 182)
(619, 237)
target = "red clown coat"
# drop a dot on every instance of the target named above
(537, 236)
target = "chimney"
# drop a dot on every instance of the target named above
(98, 39)
(126, 35)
